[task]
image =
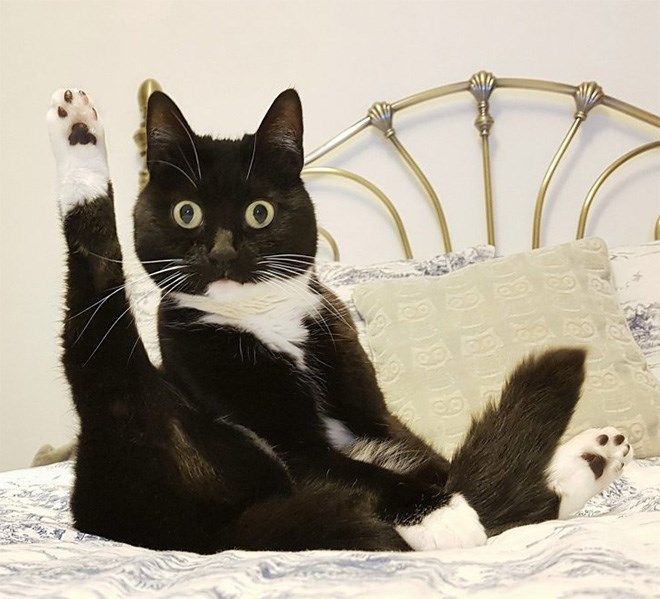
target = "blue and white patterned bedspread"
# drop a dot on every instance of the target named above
(611, 549)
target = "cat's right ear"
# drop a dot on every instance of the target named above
(169, 137)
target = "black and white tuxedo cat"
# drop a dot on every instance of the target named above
(265, 427)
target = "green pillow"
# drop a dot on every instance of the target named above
(443, 347)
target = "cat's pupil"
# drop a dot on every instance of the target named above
(260, 213)
(186, 212)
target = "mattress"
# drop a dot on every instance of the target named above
(610, 549)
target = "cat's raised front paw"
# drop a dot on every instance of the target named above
(78, 142)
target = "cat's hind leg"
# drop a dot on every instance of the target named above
(103, 353)
(317, 515)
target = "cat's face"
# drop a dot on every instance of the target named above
(224, 211)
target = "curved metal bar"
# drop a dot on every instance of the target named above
(331, 242)
(586, 206)
(327, 170)
(431, 94)
(344, 136)
(428, 188)
(380, 115)
(587, 95)
(463, 86)
(540, 198)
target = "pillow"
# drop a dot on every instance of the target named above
(342, 278)
(636, 278)
(443, 347)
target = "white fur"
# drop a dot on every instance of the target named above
(82, 170)
(393, 455)
(273, 312)
(455, 525)
(570, 476)
(339, 435)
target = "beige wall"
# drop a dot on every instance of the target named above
(225, 61)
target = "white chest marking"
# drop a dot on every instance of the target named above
(271, 311)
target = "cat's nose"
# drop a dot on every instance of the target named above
(223, 249)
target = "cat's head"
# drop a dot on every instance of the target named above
(224, 212)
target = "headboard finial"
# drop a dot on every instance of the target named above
(380, 115)
(481, 86)
(587, 95)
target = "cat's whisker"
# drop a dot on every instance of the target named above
(254, 151)
(282, 271)
(192, 143)
(288, 270)
(186, 159)
(181, 280)
(141, 261)
(177, 168)
(112, 326)
(135, 297)
(287, 283)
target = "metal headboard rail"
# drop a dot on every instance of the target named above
(481, 85)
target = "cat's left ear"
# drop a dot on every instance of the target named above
(169, 137)
(278, 143)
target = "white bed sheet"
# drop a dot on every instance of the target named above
(612, 549)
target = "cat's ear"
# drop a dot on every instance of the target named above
(278, 143)
(169, 137)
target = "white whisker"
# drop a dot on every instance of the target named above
(192, 143)
(254, 151)
(177, 168)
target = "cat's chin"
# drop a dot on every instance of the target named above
(222, 288)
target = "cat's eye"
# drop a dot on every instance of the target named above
(187, 214)
(259, 214)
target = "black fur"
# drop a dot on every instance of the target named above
(501, 467)
(226, 446)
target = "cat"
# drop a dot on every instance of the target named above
(265, 428)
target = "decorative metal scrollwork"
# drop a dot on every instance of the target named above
(380, 115)
(587, 95)
(481, 86)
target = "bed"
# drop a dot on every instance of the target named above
(610, 548)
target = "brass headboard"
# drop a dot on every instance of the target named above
(481, 85)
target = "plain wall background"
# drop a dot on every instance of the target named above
(225, 61)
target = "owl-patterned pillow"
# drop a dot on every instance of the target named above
(443, 347)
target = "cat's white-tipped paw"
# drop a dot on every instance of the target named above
(78, 142)
(587, 464)
(73, 120)
(453, 526)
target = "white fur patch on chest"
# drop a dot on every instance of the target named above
(271, 311)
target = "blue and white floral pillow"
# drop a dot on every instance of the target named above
(636, 276)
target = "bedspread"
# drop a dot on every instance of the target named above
(610, 549)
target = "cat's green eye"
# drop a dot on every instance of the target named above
(260, 214)
(187, 214)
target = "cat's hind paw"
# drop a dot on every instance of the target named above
(78, 141)
(587, 464)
